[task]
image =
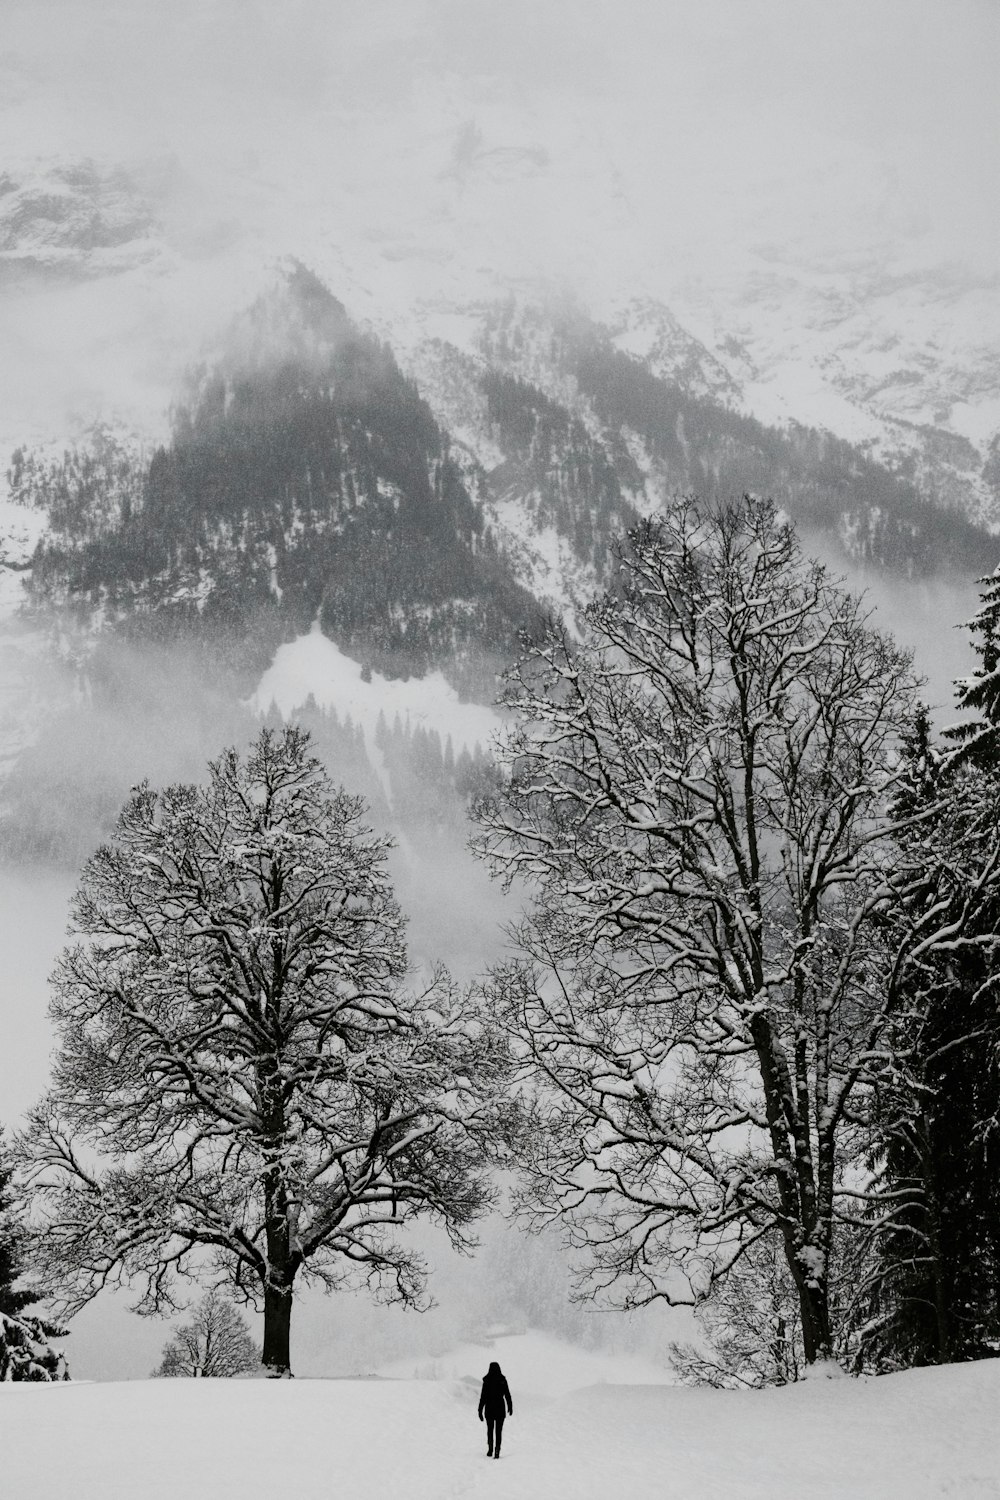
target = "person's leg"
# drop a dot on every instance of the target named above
(496, 1445)
(489, 1435)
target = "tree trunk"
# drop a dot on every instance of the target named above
(278, 1282)
(281, 1264)
(942, 1309)
(277, 1328)
(814, 1305)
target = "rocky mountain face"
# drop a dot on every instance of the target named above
(901, 364)
(579, 437)
(73, 220)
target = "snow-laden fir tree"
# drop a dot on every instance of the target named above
(927, 1286)
(215, 1342)
(894, 1307)
(26, 1352)
(244, 1089)
(698, 798)
(977, 737)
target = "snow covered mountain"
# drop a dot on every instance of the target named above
(424, 513)
(902, 360)
(418, 509)
(73, 220)
(419, 453)
(894, 349)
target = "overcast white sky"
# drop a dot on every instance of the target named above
(850, 122)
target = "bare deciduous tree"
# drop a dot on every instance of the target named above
(698, 795)
(752, 1333)
(243, 1090)
(215, 1342)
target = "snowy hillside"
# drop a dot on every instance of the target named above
(423, 511)
(915, 1436)
(313, 666)
(902, 360)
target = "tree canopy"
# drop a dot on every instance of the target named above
(214, 1343)
(698, 797)
(245, 1090)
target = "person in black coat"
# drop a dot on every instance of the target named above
(495, 1404)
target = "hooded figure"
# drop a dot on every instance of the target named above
(495, 1404)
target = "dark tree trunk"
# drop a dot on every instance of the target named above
(277, 1328)
(282, 1263)
(814, 1305)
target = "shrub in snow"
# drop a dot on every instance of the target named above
(750, 1325)
(25, 1351)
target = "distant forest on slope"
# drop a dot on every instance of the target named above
(314, 486)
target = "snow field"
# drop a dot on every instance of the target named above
(918, 1435)
(313, 665)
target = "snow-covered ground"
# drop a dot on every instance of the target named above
(904, 1437)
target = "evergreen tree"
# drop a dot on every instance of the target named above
(931, 1290)
(25, 1351)
(12, 1300)
(976, 738)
